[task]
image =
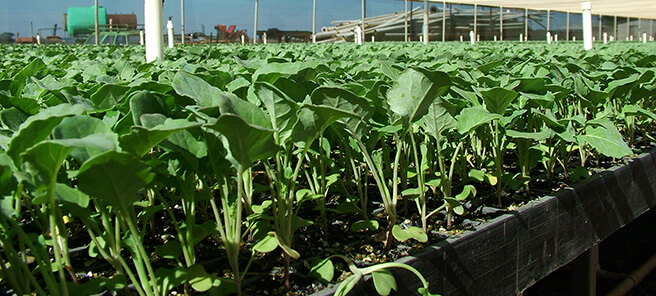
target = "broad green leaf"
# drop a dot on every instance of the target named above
(471, 118)
(12, 118)
(455, 204)
(192, 86)
(109, 96)
(246, 143)
(249, 112)
(467, 191)
(605, 141)
(267, 244)
(114, 177)
(347, 101)
(498, 99)
(438, 120)
(282, 110)
(66, 194)
(322, 269)
(414, 91)
(384, 281)
(97, 285)
(169, 278)
(146, 102)
(7, 179)
(141, 139)
(45, 159)
(272, 71)
(169, 250)
(362, 225)
(89, 135)
(313, 120)
(38, 127)
(199, 279)
(286, 248)
(633, 110)
(411, 232)
(545, 133)
(348, 284)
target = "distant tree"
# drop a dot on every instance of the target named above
(6, 37)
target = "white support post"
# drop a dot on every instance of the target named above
(521, 37)
(426, 38)
(605, 38)
(587, 25)
(314, 22)
(169, 33)
(475, 20)
(461, 38)
(182, 22)
(644, 37)
(95, 32)
(405, 21)
(358, 35)
(471, 37)
(255, 22)
(362, 24)
(154, 27)
(264, 38)
(141, 38)
(526, 24)
(495, 38)
(501, 23)
(443, 21)
(548, 37)
(556, 38)
(548, 20)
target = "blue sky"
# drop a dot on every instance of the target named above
(16, 15)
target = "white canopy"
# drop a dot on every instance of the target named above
(630, 8)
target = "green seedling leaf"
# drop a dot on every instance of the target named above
(169, 250)
(471, 118)
(169, 278)
(90, 135)
(141, 139)
(384, 281)
(199, 90)
(286, 248)
(438, 120)
(66, 194)
(467, 191)
(362, 225)
(323, 270)
(632, 110)
(199, 279)
(282, 110)
(605, 141)
(478, 175)
(578, 173)
(313, 120)
(411, 232)
(545, 133)
(246, 143)
(455, 204)
(498, 99)
(96, 285)
(93, 247)
(37, 128)
(348, 284)
(414, 91)
(109, 96)
(346, 101)
(267, 244)
(114, 177)
(44, 161)
(146, 102)
(424, 292)
(303, 195)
